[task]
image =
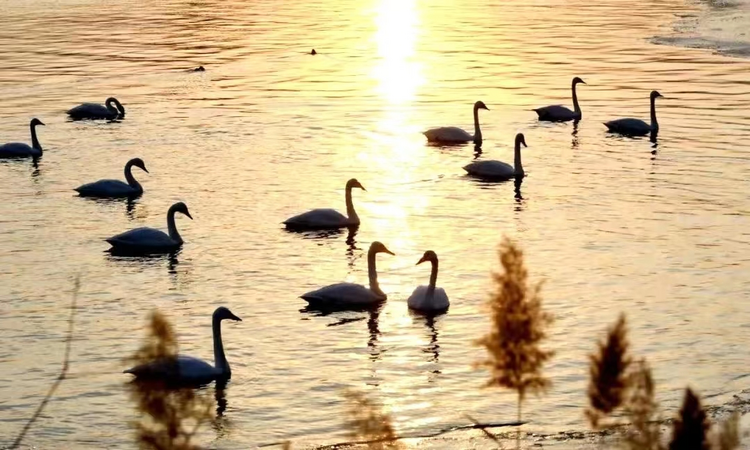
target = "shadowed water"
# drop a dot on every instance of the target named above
(268, 131)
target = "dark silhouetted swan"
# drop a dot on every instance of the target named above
(112, 109)
(351, 295)
(187, 369)
(559, 113)
(150, 240)
(636, 127)
(326, 219)
(498, 170)
(21, 150)
(429, 298)
(115, 188)
(456, 135)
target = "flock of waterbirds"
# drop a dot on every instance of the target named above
(427, 299)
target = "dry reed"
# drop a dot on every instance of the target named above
(729, 435)
(518, 326)
(367, 422)
(641, 408)
(608, 380)
(170, 415)
(690, 428)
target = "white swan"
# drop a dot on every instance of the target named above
(498, 170)
(429, 298)
(351, 295)
(559, 113)
(115, 188)
(150, 240)
(455, 134)
(112, 109)
(21, 150)
(187, 369)
(636, 127)
(322, 219)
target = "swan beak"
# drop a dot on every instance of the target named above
(363, 188)
(421, 260)
(388, 251)
(146, 170)
(188, 214)
(42, 123)
(233, 317)
(487, 108)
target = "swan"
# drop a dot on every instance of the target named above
(112, 109)
(429, 298)
(150, 240)
(21, 150)
(636, 127)
(351, 295)
(559, 113)
(323, 219)
(498, 170)
(187, 369)
(455, 134)
(115, 188)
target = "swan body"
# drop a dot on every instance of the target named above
(323, 219)
(455, 135)
(115, 188)
(559, 113)
(636, 127)
(429, 298)
(187, 369)
(146, 240)
(21, 150)
(351, 295)
(498, 170)
(112, 109)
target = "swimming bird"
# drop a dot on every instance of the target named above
(21, 150)
(559, 113)
(498, 170)
(187, 369)
(429, 298)
(351, 295)
(115, 188)
(457, 135)
(145, 241)
(326, 219)
(636, 127)
(112, 109)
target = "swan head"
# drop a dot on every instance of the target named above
(35, 122)
(520, 139)
(223, 313)
(577, 80)
(378, 247)
(480, 105)
(138, 162)
(117, 104)
(429, 255)
(181, 208)
(353, 183)
(655, 94)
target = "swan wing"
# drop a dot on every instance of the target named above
(490, 169)
(555, 113)
(629, 126)
(143, 238)
(106, 188)
(318, 218)
(447, 134)
(342, 295)
(18, 150)
(418, 300)
(182, 369)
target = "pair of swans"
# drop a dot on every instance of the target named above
(327, 219)
(148, 241)
(187, 369)
(115, 188)
(356, 296)
(111, 110)
(498, 170)
(22, 150)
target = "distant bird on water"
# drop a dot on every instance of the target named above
(636, 127)
(455, 135)
(112, 109)
(559, 113)
(313, 52)
(21, 150)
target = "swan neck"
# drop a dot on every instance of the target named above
(654, 123)
(34, 141)
(130, 178)
(517, 166)
(576, 106)
(477, 130)
(433, 278)
(173, 233)
(372, 273)
(111, 107)
(350, 212)
(220, 360)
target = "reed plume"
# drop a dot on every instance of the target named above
(608, 380)
(729, 436)
(518, 327)
(690, 428)
(170, 415)
(641, 408)
(367, 422)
